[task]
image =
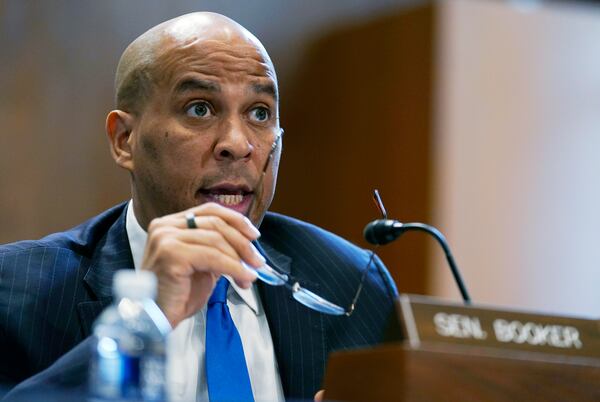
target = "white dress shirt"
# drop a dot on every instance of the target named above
(186, 376)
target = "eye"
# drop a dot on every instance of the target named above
(199, 109)
(260, 114)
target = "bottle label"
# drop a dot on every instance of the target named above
(153, 378)
(115, 375)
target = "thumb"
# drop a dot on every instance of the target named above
(319, 395)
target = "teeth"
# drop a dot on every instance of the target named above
(227, 199)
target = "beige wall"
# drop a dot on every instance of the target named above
(517, 188)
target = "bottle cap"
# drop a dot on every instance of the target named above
(134, 284)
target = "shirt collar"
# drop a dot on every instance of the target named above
(247, 295)
(136, 235)
(137, 242)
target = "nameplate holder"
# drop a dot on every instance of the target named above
(429, 323)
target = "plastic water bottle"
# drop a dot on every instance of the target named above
(129, 351)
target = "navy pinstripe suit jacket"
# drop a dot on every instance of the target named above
(52, 290)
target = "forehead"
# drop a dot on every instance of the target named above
(218, 60)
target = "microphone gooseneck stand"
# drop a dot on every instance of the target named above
(383, 231)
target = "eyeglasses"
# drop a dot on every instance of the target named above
(274, 277)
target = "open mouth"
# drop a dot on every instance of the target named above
(229, 199)
(233, 197)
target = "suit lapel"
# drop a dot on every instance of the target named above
(298, 332)
(111, 254)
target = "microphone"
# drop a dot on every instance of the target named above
(384, 231)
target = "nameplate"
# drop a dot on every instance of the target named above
(428, 321)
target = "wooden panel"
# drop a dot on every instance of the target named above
(358, 117)
(430, 322)
(396, 373)
(433, 366)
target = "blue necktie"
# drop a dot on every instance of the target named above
(226, 372)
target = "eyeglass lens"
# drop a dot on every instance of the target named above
(304, 296)
(315, 302)
(271, 277)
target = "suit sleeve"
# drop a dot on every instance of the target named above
(65, 380)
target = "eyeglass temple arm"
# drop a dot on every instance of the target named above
(350, 309)
(379, 204)
(258, 187)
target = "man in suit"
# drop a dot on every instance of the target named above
(196, 123)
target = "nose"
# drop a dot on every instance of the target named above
(232, 144)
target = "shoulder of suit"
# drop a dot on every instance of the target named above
(300, 239)
(80, 239)
(275, 222)
(276, 227)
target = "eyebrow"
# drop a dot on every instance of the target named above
(268, 89)
(194, 84)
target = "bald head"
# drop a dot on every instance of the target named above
(142, 63)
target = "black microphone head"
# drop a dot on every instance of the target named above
(382, 231)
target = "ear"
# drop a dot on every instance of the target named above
(119, 125)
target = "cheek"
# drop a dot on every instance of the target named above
(169, 147)
(150, 148)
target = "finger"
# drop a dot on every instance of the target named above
(233, 218)
(218, 234)
(319, 395)
(201, 258)
(244, 249)
(208, 237)
(242, 245)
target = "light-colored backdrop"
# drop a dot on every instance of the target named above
(517, 153)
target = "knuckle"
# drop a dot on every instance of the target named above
(167, 271)
(207, 207)
(162, 243)
(214, 237)
(158, 235)
(210, 259)
(166, 245)
(155, 224)
(215, 222)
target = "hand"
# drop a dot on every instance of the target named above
(188, 262)
(319, 395)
